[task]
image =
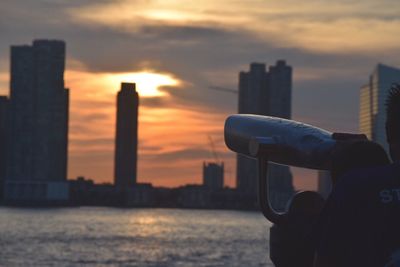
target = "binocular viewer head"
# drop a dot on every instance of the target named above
(279, 140)
(283, 141)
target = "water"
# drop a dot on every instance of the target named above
(132, 237)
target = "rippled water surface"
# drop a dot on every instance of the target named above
(132, 237)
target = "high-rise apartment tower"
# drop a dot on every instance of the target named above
(265, 93)
(3, 141)
(372, 103)
(126, 136)
(38, 117)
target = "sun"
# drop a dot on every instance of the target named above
(147, 83)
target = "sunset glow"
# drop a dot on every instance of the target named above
(148, 84)
(169, 137)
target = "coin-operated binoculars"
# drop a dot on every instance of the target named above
(287, 142)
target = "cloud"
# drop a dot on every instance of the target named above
(94, 117)
(154, 101)
(90, 103)
(179, 155)
(92, 141)
(172, 33)
(185, 154)
(146, 149)
(342, 28)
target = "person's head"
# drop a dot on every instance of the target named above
(393, 121)
(359, 154)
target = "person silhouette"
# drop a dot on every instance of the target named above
(359, 225)
(355, 155)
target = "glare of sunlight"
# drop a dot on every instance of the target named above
(171, 15)
(148, 83)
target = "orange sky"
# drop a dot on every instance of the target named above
(165, 133)
(173, 139)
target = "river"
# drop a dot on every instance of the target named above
(94, 236)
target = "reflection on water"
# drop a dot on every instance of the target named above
(132, 237)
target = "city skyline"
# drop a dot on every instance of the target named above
(187, 48)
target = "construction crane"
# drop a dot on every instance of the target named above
(227, 90)
(213, 150)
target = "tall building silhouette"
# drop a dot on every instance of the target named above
(372, 116)
(3, 141)
(37, 158)
(265, 93)
(213, 175)
(126, 136)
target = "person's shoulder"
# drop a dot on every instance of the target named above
(359, 182)
(370, 175)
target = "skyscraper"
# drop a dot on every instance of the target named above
(38, 122)
(372, 116)
(265, 93)
(213, 175)
(3, 141)
(126, 136)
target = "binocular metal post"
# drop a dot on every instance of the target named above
(290, 242)
(263, 194)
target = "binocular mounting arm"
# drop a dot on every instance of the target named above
(263, 194)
